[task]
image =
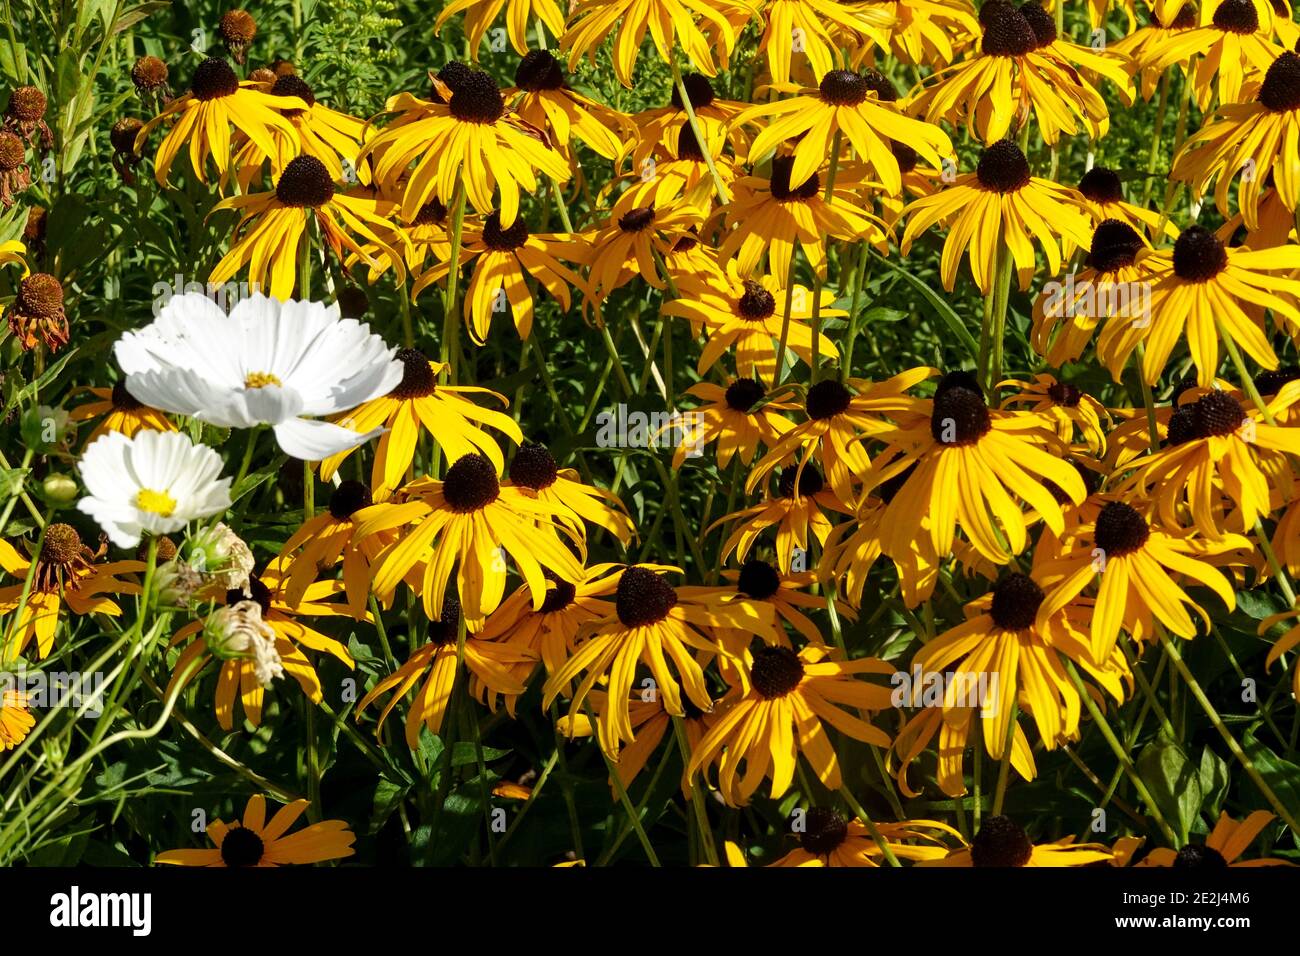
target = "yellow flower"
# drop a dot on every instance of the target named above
(255, 842)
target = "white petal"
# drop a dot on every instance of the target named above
(314, 440)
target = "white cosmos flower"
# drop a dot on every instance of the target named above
(156, 482)
(266, 363)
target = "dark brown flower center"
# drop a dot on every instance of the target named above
(533, 467)
(688, 147)
(504, 240)
(305, 183)
(1184, 19)
(1198, 255)
(121, 136)
(638, 220)
(1197, 856)
(539, 70)
(1120, 530)
(559, 596)
(827, 399)
(1041, 22)
(292, 85)
(149, 73)
(1115, 245)
(1218, 413)
(758, 579)
(124, 401)
(743, 394)
(1280, 90)
(824, 831)
(810, 481)
(40, 295)
(418, 379)
(1183, 427)
(776, 671)
(844, 88)
(26, 105)
(432, 213)
(349, 498)
(643, 597)
(1006, 32)
(471, 484)
(62, 544)
(446, 630)
(477, 99)
(241, 847)
(755, 303)
(238, 27)
(1270, 383)
(779, 184)
(1102, 185)
(164, 549)
(1064, 394)
(886, 490)
(452, 76)
(213, 79)
(1001, 842)
(698, 89)
(12, 151)
(1003, 168)
(1236, 16)
(1016, 598)
(960, 416)
(257, 592)
(905, 155)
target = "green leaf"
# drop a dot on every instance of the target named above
(1173, 780)
(1214, 781)
(1281, 776)
(939, 304)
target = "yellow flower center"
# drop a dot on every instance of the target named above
(155, 502)
(260, 380)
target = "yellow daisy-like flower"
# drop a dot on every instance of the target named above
(862, 107)
(761, 581)
(535, 473)
(470, 138)
(798, 508)
(1001, 842)
(1134, 562)
(121, 413)
(738, 417)
(754, 316)
(1202, 286)
(654, 624)
(766, 215)
(444, 411)
(504, 259)
(927, 32)
(785, 701)
(1103, 199)
(243, 674)
(469, 521)
(1255, 142)
(255, 842)
(16, 721)
(1000, 204)
(1015, 73)
(481, 14)
(659, 130)
(1138, 44)
(273, 224)
(1070, 408)
(828, 839)
(1218, 449)
(488, 662)
(625, 246)
(667, 21)
(819, 29)
(1229, 47)
(66, 573)
(544, 99)
(217, 100)
(972, 466)
(1223, 847)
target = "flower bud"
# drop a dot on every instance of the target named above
(59, 489)
(44, 429)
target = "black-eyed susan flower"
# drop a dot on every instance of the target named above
(1071, 409)
(1002, 842)
(273, 224)
(67, 573)
(1227, 453)
(625, 246)
(656, 625)
(419, 402)
(862, 107)
(1137, 45)
(668, 21)
(217, 100)
(16, 721)
(828, 839)
(504, 260)
(799, 507)
(488, 662)
(471, 138)
(766, 215)
(1084, 64)
(926, 32)
(544, 98)
(839, 414)
(1133, 563)
(754, 316)
(118, 411)
(660, 128)
(684, 176)
(763, 582)
(972, 465)
(535, 473)
(818, 29)
(739, 417)
(1103, 199)
(481, 14)
(258, 638)
(1250, 142)
(1000, 205)
(253, 841)
(1223, 848)
(469, 522)
(786, 700)
(1112, 291)
(1228, 48)
(1009, 78)
(1202, 286)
